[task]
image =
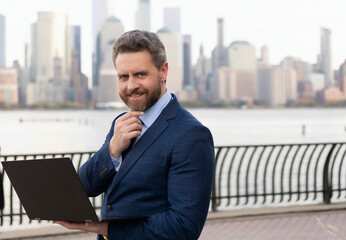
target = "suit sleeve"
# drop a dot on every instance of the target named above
(189, 189)
(98, 171)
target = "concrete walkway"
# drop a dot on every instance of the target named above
(313, 222)
(313, 225)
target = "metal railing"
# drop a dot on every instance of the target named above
(264, 175)
(245, 176)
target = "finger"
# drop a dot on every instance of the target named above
(123, 122)
(128, 136)
(136, 126)
(133, 134)
(131, 114)
(131, 121)
(136, 113)
(127, 126)
(132, 131)
(70, 225)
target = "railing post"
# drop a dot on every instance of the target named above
(213, 190)
(213, 195)
(2, 199)
(327, 188)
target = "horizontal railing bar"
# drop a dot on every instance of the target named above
(281, 144)
(258, 195)
(275, 194)
(45, 154)
(289, 171)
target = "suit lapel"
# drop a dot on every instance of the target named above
(148, 138)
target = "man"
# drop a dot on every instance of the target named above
(156, 165)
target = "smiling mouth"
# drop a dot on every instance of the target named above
(136, 95)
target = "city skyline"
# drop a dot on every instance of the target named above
(294, 33)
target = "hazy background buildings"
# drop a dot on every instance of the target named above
(2, 40)
(143, 15)
(234, 74)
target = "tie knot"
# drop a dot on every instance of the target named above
(141, 120)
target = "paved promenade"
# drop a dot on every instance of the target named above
(315, 222)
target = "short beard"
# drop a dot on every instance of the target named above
(152, 96)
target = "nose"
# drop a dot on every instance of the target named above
(132, 83)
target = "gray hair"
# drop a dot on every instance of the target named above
(136, 41)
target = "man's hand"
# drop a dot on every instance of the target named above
(126, 127)
(94, 227)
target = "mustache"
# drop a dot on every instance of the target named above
(135, 92)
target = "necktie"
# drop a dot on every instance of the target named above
(124, 153)
(133, 140)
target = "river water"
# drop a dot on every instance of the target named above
(40, 131)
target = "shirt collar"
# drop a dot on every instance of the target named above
(153, 113)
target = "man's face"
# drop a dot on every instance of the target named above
(141, 84)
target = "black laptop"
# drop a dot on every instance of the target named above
(50, 189)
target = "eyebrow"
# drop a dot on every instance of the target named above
(141, 72)
(122, 75)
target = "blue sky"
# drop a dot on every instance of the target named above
(287, 27)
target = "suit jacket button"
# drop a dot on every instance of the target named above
(104, 172)
(109, 207)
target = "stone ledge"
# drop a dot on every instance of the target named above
(275, 211)
(36, 232)
(269, 212)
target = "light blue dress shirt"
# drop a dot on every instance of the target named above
(147, 120)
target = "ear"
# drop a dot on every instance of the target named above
(164, 71)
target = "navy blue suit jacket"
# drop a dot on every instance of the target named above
(162, 189)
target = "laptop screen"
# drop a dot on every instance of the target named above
(50, 189)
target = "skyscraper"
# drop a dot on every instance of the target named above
(173, 45)
(171, 19)
(106, 89)
(219, 54)
(202, 74)
(75, 44)
(172, 25)
(264, 55)
(226, 87)
(50, 41)
(326, 56)
(26, 55)
(342, 78)
(2, 41)
(110, 30)
(78, 89)
(242, 58)
(187, 80)
(8, 86)
(142, 20)
(277, 85)
(50, 59)
(99, 15)
(220, 32)
(302, 68)
(100, 12)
